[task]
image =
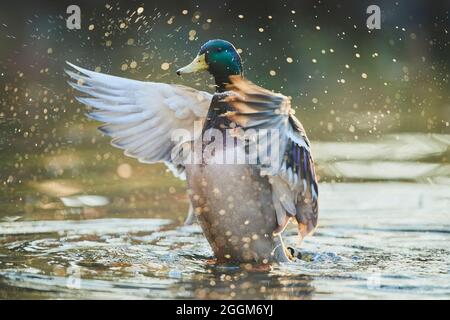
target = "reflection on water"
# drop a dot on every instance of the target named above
(416, 157)
(384, 232)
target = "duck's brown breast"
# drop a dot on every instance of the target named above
(233, 204)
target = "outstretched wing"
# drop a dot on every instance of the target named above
(293, 179)
(141, 116)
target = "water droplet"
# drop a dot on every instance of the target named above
(124, 170)
(165, 66)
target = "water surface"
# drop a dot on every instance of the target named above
(387, 236)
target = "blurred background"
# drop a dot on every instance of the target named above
(375, 104)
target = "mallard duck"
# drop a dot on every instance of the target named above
(242, 208)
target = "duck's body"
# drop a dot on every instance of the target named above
(238, 225)
(242, 207)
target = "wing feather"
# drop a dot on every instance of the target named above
(293, 179)
(139, 116)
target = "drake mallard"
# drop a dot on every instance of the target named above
(242, 208)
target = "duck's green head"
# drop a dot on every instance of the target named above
(220, 58)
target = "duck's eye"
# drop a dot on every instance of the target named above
(219, 50)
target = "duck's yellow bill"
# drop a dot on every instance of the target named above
(198, 64)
